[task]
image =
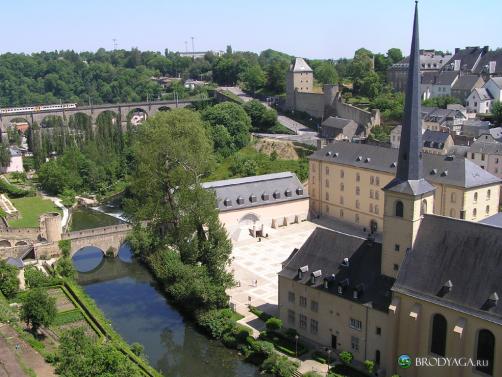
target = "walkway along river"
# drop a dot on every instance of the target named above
(129, 297)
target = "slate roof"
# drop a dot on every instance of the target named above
(483, 94)
(467, 253)
(333, 126)
(256, 191)
(337, 122)
(494, 220)
(496, 133)
(486, 147)
(484, 63)
(429, 77)
(434, 139)
(16, 262)
(446, 78)
(300, 65)
(438, 169)
(436, 114)
(325, 251)
(498, 80)
(468, 58)
(465, 82)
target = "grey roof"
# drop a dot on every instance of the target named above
(498, 80)
(325, 250)
(429, 77)
(438, 169)
(465, 82)
(436, 114)
(494, 220)
(300, 65)
(468, 58)
(486, 147)
(410, 165)
(467, 253)
(435, 139)
(496, 133)
(256, 191)
(15, 152)
(491, 56)
(429, 60)
(333, 126)
(483, 94)
(446, 78)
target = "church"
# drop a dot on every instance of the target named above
(427, 287)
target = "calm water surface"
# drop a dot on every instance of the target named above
(127, 294)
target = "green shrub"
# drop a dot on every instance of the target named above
(69, 316)
(346, 357)
(312, 374)
(9, 284)
(280, 366)
(273, 324)
(263, 347)
(14, 191)
(291, 333)
(369, 365)
(35, 278)
(215, 322)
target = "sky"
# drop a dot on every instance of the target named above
(308, 28)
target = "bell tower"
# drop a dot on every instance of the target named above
(408, 196)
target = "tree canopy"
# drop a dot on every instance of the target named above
(9, 284)
(38, 309)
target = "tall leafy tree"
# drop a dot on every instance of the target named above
(38, 309)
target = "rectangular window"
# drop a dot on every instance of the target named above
(396, 247)
(371, 194)
(327, 170)
(372, 180)
(358, 190)
(354, 343)
(314, 325)
(379, 331)
(377, 195)
(291, 297)
(355, 324)
(303, 321)
(327, 195)
(314, 306)
(291, 317)
(341, 199)
(377, 180)
(303, 301)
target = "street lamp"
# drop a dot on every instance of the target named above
(296, 345)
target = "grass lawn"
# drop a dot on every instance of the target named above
(265, 165)
(30, 208)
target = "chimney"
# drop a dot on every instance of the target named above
(492, 67)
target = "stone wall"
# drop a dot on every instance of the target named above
(311, 103)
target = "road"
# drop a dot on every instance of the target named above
(289, 123)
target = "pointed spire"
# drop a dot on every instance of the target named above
(409, 165)
(409, 176)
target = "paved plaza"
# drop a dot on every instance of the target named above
(259, 262)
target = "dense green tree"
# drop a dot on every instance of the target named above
(395, 55)
(326, 73)
(390, 104)
(262, 118)
(4, 155)
(497, 112)
(234, 118)
(82, 356)
(9, 284)
(370, 85)
(254, 78)
(38, 309)
(65, 268)
(441, 102)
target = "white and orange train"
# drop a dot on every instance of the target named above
(35, 109)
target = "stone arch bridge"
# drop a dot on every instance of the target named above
(103, 238)
(123, 109)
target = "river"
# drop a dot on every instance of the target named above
(129, 297)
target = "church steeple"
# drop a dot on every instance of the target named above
(409, 175)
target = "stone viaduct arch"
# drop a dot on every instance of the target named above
(103, 238)
(150, 108)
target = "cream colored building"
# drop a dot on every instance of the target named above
(346, 180)
(427, 288)
(254, 206)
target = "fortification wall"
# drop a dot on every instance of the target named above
(311, 103)
(344, 110)
(20, 233)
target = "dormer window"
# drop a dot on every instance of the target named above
(288, 193)
(314, 276)
(299, 191)
(345, 262)
(227, 202)
(343, 285)
(277, 195)
(240, 200)
(265, 196)
(302, 270)
(359, 158)
(253, 198)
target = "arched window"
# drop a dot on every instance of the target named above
(475, 197)
(357, 204)
(487, 210)
(474, 212)
(399, 209)
(423, 207)
(327, 183)
(453, 197)
(358, 177)
(342, 186)
(342, 174)
(486, 350)
(488, 194)
(438, 340)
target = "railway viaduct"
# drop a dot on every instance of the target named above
(122, 109)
